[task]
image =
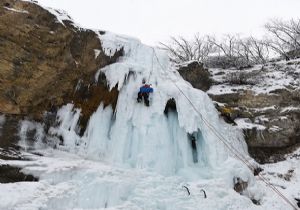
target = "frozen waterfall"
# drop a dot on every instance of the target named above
(134, 156)
(137, 136)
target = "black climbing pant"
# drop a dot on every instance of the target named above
(145, 96)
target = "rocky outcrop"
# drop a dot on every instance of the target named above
(274, 124)
(46, 61)
(87, 97)
(266, 108)
(196, 74)
(10, 174)
(42, 60)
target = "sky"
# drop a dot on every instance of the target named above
(154, 21)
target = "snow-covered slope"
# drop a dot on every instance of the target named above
(261, 79)
(137, 157)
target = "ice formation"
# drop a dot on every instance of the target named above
(138, 157)
(135, 157)
(137, 136)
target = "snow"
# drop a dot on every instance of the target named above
(261, 119)
(67, 181)
(264, 109)
(16, 10)
(60, 15)
(136, 157)
(274, 129)
(268, 78)
(285, 175)
(226, 89)
(27, 126)
(111, 43)
(245, 123)
(290, 108)
(97, 53)
(68, 119)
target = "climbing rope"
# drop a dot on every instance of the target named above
(232, 149)
(148, 80)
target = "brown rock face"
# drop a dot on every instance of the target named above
(42, 61)
(88, 97)
(45, 64)
(282, 125)
(197, 75)
(10, 174)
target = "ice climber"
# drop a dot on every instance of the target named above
(144, 92)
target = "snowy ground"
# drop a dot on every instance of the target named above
(68, 181)
(265, 79)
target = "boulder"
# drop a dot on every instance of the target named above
(195, 73)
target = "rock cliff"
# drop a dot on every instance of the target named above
(42, 60)
(47, 61)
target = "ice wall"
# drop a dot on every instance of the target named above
(145, 137)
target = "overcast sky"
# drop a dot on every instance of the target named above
(155, 20)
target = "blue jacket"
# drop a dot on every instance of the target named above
(144, 89)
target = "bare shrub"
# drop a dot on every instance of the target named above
(243, 78)
(254, 51)
(183, 50)
(227, 49)
(285, 36)
(241, 52)
(230, 51)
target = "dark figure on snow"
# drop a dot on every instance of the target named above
(298, 202)
(144, 92)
